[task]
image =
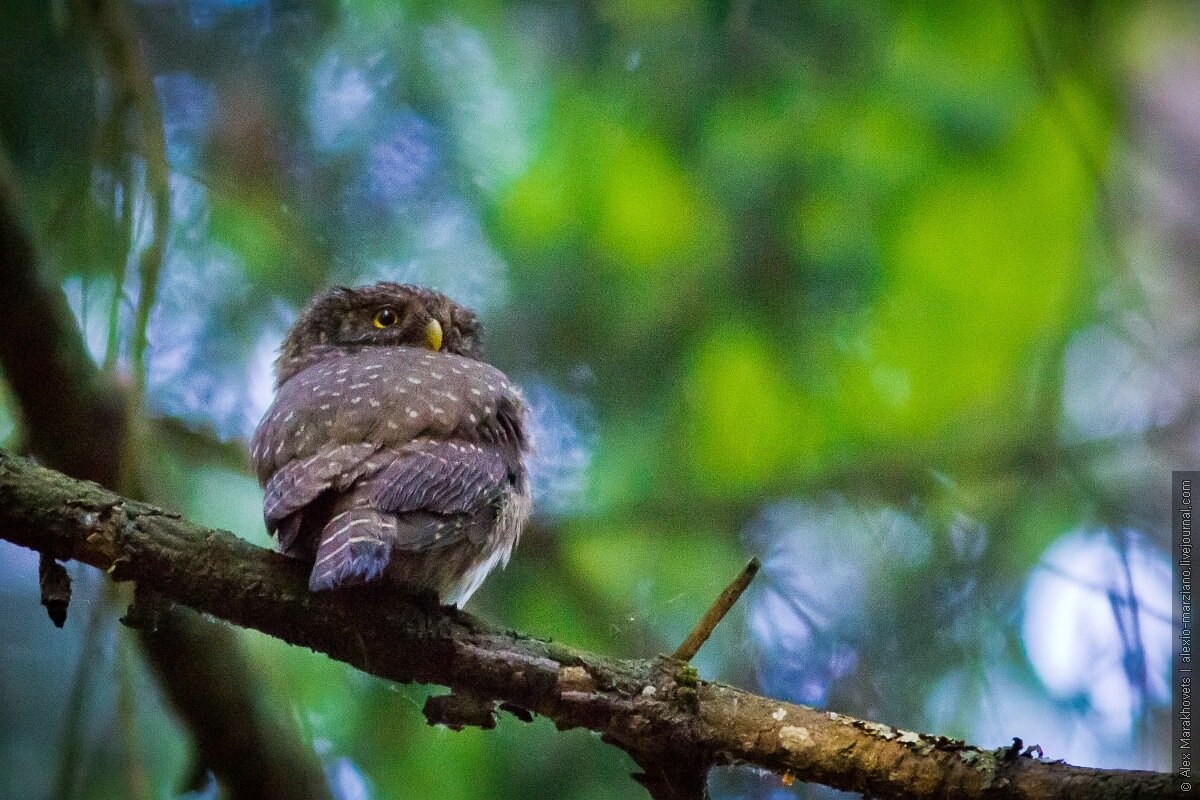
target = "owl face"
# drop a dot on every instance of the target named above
(385, 314)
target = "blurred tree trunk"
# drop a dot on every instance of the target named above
(74, 417)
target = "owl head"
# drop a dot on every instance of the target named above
(382, 315)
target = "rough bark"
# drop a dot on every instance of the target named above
(674, 725)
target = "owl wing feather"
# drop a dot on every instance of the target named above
(441, 477)
(301, 481)
(419, 452)
(432, 494)
(356, 546)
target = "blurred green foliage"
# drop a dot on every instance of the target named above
(831, 253)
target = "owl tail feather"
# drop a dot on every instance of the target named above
(356, 546)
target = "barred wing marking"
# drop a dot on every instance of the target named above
(441, 477)
(356, 546)
(300, 482)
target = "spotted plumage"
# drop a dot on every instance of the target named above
(391, 452)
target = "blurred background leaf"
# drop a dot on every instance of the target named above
(899, 299)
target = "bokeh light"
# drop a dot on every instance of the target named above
(901, 301)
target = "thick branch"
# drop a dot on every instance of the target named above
(655, 710)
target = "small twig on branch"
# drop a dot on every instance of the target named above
(459, 710)
(55, 584)
(720, 607)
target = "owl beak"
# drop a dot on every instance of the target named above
(433, 334)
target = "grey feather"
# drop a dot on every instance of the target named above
(441, 477)
(299, 483)
(388, 461)
(356, 547)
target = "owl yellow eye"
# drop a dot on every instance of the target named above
(433, 334)
(385, 318)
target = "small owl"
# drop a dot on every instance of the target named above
(392, 451)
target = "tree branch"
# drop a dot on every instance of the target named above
(720, 607)
(673, 724)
